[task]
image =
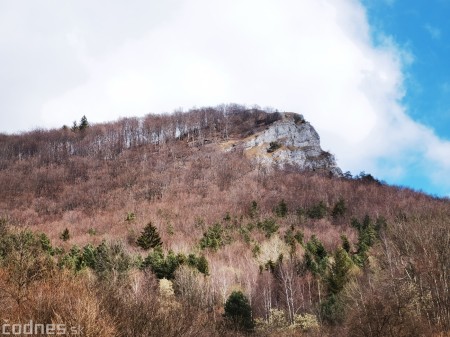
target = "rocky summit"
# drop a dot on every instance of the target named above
(291, 140)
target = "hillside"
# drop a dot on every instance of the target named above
(244, 206)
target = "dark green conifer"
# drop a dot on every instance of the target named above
(149, 238)
(238, 312)
(84, 124)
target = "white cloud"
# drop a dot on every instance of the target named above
(316, 57)
(434, 32)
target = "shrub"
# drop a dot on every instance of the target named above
(46, 245)
(64, 299)
(89, 256)
(169, 229)
(368, 233)
(149, 238)
(65, 235)
(92, 231)
(317, 211)
(299, 119)
(276, 321)
(227, 217)
(367, 178)
(254, 209)
(292, 237)
(268, 226)
(3, 226)
(166, 289)
(23, 263)
(199, 263)
(212, 238)
(277, 318)
(256, 250)
(245, 233)
(77, 259)
(306, 322)
(348, 175)
(192, 288)
(130, 216)
(70, 260)
(345, 243)
(281, 209)
(273, 146)
(339, 208)
(162, 266)
(165, 266)
(109, 261)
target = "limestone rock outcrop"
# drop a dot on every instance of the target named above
(290, 141)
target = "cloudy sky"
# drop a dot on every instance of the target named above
(372, 76)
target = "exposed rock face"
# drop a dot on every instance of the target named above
(292, 141)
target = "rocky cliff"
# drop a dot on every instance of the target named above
(290, 141)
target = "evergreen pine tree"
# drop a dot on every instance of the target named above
(238, 312)
(339, 272)
(345, 243)
(163, 266)
(202, 265)
(149, 238)
(316, 257)
(212, 238)
(46, 244)
(339, 208)
(74, 127)
(84, 124)
(281, 209)
(338, 275)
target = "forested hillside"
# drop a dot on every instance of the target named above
(154, 227)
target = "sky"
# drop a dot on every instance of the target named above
(372, 76)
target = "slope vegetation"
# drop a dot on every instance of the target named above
(160, 227)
